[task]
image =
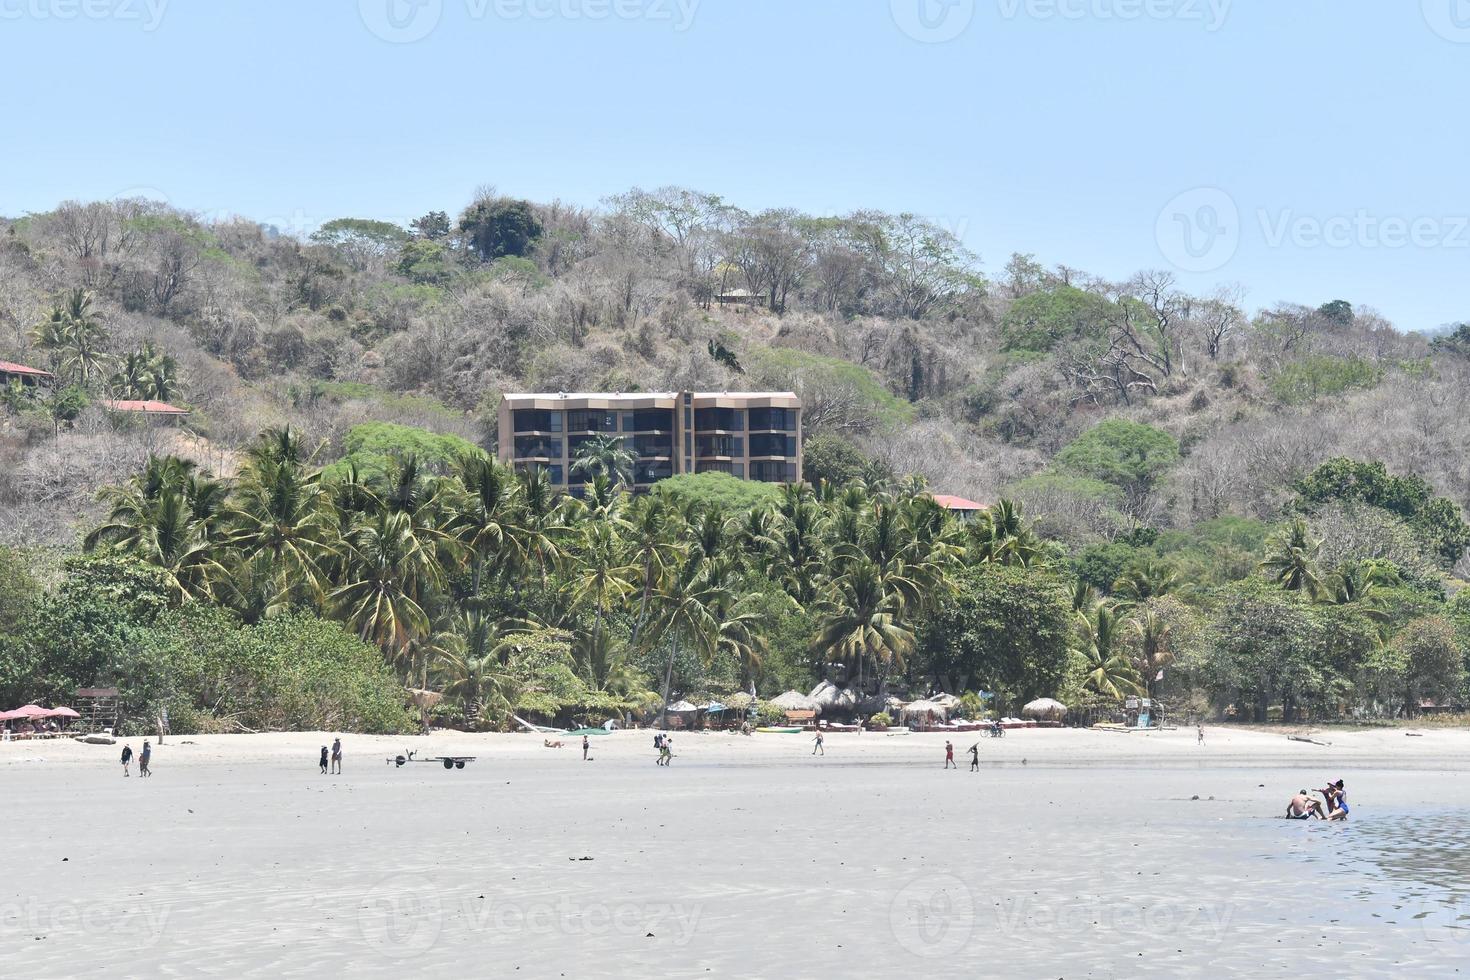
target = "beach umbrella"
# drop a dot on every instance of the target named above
(62, 712)
(740, 701)
(714, 707)
(30, 711)
(681, 708)
(1045, 708)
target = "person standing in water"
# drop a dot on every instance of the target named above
(127, 759)
(949, 755)
(337, 755)
(975, 757)
(144, 758)
(817, 748)
(323, 760)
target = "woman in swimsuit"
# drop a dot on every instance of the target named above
(1338, 802)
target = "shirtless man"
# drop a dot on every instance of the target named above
(1303, 807)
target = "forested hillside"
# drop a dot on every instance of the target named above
(1205, 463)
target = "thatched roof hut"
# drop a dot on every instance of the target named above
(922, 709)
(832, 699)
(795, 701)
(739, 701)
(682, 708)
(1045, 708)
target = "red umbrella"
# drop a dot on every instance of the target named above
(63, 712)
(30, 711)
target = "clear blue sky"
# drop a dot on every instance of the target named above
(1059, 127)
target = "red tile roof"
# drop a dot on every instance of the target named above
(949, 502)
(144, 407)
(10, 367)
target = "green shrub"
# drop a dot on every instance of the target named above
(1319, 376)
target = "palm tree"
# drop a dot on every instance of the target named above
(1291, 559)
(652, 551)
(605, 577)
(168, 532)
(1148, 579)
(281, 513)
(1153, 634)
(1100, 642)
(482, 516)
(999, 535)
(389, 572)
(604, 455)
(691, 600)
(862, 620)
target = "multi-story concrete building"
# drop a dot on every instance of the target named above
(750, 435)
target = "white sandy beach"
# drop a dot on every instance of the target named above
(1071, 854)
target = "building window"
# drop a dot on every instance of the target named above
(651, 445)
(538, 446)
(554, 473)
(772, 444)
(538, 420)
(716, 466)
(738, 470)
(650, 471)
(719, 445)
(649, 420)
(777, 419)
(728, 419)
(592, 420)
(768, 471)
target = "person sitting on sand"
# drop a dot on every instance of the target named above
(1303, 807)
(323, 760)
(552, 745)
(1337, 804)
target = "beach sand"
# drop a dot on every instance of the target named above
(1070, 854)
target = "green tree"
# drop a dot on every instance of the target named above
(500, 227)
(1101, 641)
(1291, 559)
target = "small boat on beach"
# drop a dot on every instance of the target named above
(779, 731)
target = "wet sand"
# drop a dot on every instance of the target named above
(1070, 854)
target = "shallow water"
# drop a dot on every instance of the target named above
(736, 867)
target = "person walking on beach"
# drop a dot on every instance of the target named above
(949, 755)
(144, 758)
(337, 755)
(127, 759)
(1200, 730)
(666, 751)
(658, 746)
(323, 761)
(817, 748)
(585, 746)
(975, 757)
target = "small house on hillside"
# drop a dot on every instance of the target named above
(958, 506)
(146, 407)
(10, 371)
(741, 297)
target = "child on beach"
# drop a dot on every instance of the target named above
(949, 755)
(975, 757)
(127, 759)
(666, 750)
(144, 758)
(337, 755)
(324, 760)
